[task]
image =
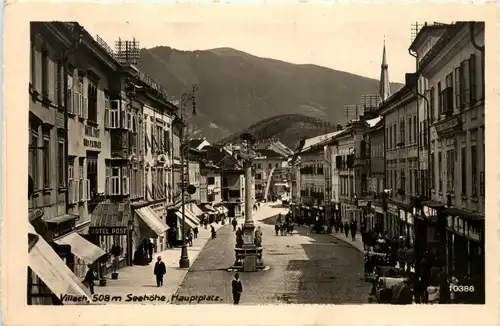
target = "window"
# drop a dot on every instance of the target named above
(59, 81)
(465, 83)
(114, 115)
(472, 76)
(78, 97)
(457, 87)
(402, 131)
(415, 132)
(92, 101)
(432, 101)
(394, 138)
(45, 72)
(473, 156)
(432, 171)
(402, 180)
(72, 183)
(410, 131)
(113, 181)
(440, 172)
(61, 179)
(34, 160)
(92, 174)
(440, 100)
(450, 168)
(463, 167)
(125, 181)
(46, 161)
(70, 94)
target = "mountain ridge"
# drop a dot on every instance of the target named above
(238, 89)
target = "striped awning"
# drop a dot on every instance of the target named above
(111, 215)
(196, 210)
(82, 248)
(45, 263)
(188, 220)
(154, 222)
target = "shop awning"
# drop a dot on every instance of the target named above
(197, 211)
(466, 215)
(149, 217)
(190, 215)
(110, 215)
(188, 220)
(432, 204)
(82, 248)
(44, 261)
(224, 209)
(210, 208)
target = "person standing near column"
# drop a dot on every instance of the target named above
(237, 288)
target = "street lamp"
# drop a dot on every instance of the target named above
(187, 96)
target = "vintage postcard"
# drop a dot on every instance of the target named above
(239, 163)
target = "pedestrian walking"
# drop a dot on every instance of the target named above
(346, 229)
(353, 229)
(115, 253)
(195, 232)
(239, 238)
(234, 223)
(212, 230)
(401, 258)
(150, 246)
(159, 271)
(90, 277)
(276, 228)
(237, 288)
(190, 237)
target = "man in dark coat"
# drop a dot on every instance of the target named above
(234, 223)
(346, 229)
(90, 278)
(353, 228)
(159, 271)
(150, 246)
(237, 288)
(212, 230)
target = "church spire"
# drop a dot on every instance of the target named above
(384, 87)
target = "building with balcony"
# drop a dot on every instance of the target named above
(350, 169)
(401, 159)
(232, 178)
(451, 61)
(269, 167)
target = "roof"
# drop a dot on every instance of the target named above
(194, 143)
(440, 44)
(110, 215)
(426, 28)
(270, 153)
(310, 142)
(374, 121)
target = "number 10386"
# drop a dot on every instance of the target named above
(461, 288)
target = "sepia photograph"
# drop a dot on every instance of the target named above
(298, 162)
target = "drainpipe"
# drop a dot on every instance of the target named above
(481, 49)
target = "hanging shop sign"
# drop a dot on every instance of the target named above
(474, 233)
(449, 222)
(94, 144)
(430, 213)
(108, 230)
(379, 210)
(362, 203)
(391, 208)
(402, 215)
(409, 218)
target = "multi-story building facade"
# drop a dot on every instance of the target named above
(351, 168)
(401, 159)
(212, 174)
(375, 138)
(453, 66)
(86, 151)
(268, 166)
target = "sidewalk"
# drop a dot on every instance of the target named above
(358, 243)
(139, 280)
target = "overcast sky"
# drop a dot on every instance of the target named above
(344, 37)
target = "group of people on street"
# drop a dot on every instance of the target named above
(283, 226)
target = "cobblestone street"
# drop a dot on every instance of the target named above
(303, 268)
